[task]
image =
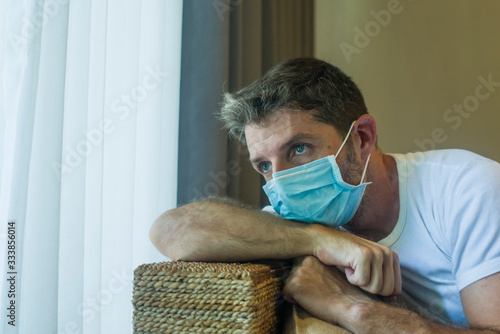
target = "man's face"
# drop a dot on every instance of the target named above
(292, 138)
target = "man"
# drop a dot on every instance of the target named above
(340, 202)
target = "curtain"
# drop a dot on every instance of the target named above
(202, 146)
(226, 45)
(89, 102)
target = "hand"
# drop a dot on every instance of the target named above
(372, 267)
(322, 291)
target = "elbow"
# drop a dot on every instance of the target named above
(158, 238)
(163, 235)
(172, 235)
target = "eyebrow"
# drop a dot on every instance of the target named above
(296, 138)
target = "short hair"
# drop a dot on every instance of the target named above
(305, 84)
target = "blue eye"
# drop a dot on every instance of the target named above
(265, 167)
(300, 149)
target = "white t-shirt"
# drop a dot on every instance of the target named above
(448, 232)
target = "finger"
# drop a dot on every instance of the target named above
(344, 269)
(388, 279)
(287, 294)
(289, 287)
(360, 273)
(297, 262)
(377, 274)
(347, 271)
(376, 280)
(398, 282)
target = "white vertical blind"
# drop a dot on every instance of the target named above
(89, 100)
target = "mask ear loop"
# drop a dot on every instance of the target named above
(364, 170)
(345, 140)
(341, 146)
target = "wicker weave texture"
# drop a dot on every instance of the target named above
(200, 297)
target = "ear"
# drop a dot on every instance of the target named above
(365, 135)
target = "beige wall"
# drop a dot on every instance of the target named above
(416, 67)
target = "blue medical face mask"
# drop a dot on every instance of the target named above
(316, 192)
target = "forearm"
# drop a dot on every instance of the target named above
(377, 317)
(217, 231)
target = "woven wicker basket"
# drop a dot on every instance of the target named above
(195, 297)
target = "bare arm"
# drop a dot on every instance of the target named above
(218, 231)
(383, 318)
(323, 292)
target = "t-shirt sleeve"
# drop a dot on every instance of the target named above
(473, 221)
